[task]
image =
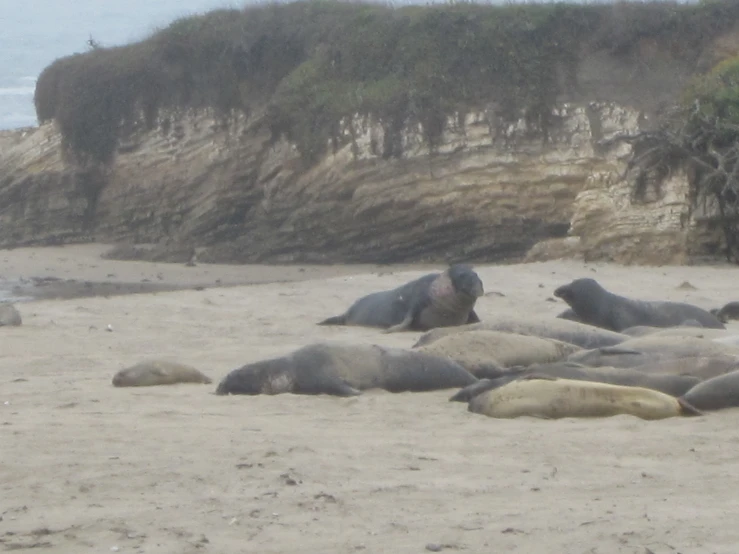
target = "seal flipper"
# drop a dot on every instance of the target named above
(402, 326)
(470, 391)
(687, 409)
(473, 317)
(335, 320)
(616, 350)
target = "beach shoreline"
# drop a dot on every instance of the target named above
(89, 468)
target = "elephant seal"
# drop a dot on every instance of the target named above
(551, 398)
(695, 366)
(346, 370)
(9, 315)
(475, 350)
(674, 385)
(651, 349)
(727, 312)
(158, 372)
(679, 331)
(434, 300)
(579, 334)
(716, 393)
(596, 306)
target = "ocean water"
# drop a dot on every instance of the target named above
(33, 33)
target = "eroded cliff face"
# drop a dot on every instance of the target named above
(489, 192)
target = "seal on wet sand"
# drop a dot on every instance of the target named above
(158, 372)
(475, 350)
(9, 315)
(346, 370)
(579, 334)
(551, 398)
(434, 300)
(717, 393)
(674, 385)
(596, 306)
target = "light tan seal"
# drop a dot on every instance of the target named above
(476, 350)
(158, 372)
(579, 334)
(551, 398)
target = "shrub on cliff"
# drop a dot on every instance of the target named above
(314, 63)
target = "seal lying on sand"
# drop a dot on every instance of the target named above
(674, 385)
(729, 311)
(652, 349)
(476, 350)
(579, 334)
(551, 398)
(434, 300)
(345, 370)
(9, 315)
(715, 394)
(595, 305)
(158, 372)
(679, 331)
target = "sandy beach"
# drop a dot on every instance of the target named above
(86, 467)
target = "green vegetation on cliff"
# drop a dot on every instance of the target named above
(311, 63)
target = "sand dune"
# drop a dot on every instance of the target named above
(87, 467)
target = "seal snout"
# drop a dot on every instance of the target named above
(563, 292)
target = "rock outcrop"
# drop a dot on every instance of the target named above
(490, 191)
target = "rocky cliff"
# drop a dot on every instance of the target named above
(490, 191)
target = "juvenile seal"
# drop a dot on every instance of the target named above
(727, 312)
(674, 385)
(717, 393)
(434, 300)
(679, 331)
(595, 305)
(551, 398)
(9, 315)
(476, 350)
(158, 372)
(651, 349)
(695, 366)
(346, 370)
(579, 334)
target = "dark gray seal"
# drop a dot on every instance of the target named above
(579, 334)
(346, 370)
(729, 311)
(717, 393)
(674, 385)
(434, 300)
(9, 315)
(596, 306)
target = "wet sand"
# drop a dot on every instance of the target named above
(87, 467)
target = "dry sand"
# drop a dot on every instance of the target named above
(86, 467)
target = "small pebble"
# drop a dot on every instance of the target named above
(434, 547)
